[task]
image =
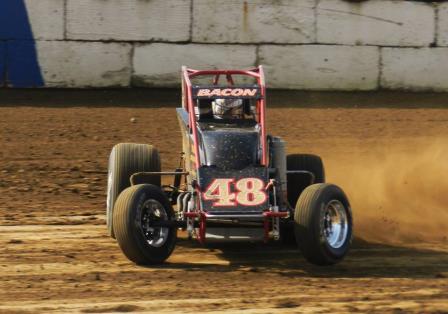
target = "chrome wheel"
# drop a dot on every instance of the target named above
(154, 211)
(335, 224)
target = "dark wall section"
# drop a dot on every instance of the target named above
(19, 48)
(2, 63)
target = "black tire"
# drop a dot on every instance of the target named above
(125, 160)
(298, 183)
(311, 210)
(129, 211)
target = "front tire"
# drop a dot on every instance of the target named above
(125, 160)
(136, 208)
(323, 224)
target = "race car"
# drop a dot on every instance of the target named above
(234, 181)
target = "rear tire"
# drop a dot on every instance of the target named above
(323, 224)
(125, 160)
(134, 210)
(298, 183)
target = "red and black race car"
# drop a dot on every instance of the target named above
(234, 181)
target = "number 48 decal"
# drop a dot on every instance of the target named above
(249, 192)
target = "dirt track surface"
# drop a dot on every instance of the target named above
(55, 255)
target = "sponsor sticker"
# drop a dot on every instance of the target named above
(226, 92)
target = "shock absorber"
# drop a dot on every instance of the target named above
(182, 204)
(189, 207)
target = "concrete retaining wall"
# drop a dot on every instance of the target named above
(304, 44)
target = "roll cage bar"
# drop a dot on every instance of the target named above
(188, 104)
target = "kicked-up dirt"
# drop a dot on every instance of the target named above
(55, 255)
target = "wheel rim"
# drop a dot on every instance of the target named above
(152, 212)
(335, 224)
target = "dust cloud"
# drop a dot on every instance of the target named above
(398, 191)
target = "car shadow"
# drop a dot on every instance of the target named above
(365, 260)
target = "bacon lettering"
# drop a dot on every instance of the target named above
(234, 92)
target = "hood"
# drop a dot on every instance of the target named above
(229, 148)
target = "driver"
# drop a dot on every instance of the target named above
(227, 108)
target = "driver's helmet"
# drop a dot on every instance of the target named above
(227, 108)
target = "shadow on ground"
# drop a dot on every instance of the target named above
(364, 260)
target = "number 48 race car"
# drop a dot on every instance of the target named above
(234, 182)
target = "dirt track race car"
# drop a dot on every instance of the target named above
(234, 182)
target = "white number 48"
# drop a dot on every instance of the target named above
(249, 192)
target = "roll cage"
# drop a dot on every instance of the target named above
(192, 92)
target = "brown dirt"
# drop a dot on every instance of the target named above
(55, 255)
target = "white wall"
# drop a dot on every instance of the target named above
(304, 44)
